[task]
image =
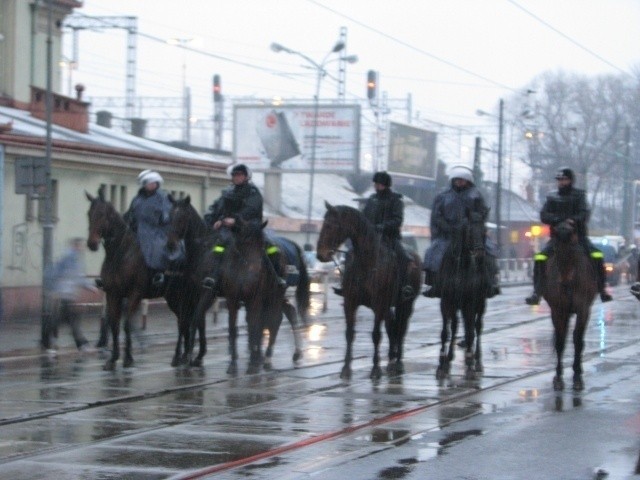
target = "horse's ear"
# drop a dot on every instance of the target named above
(89, 196)
(101, 193)
(187, 200)
(328, 205)
(264, 224)
(171, 199)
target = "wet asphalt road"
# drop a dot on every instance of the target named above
(64, 417)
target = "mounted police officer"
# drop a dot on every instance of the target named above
(459, 205)
(567, 203)
(148, 217)
(242, 200)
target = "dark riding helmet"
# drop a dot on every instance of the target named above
(383, 178)
(565, 172)
(242, 169)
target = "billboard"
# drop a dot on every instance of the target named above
(412, 152)
(267, 137)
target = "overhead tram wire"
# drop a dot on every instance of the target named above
(414, 48)
(567, 37)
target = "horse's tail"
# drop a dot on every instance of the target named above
(303, 290)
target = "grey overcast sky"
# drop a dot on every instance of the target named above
(452, 56)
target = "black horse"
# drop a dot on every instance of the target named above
(125, 277)
(187, 225)
(464, 285)
(569, 287)
(371, 279)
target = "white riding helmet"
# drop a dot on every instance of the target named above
(460, 171)
(149, 176)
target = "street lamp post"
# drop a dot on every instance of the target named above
(320, 72)
(499, 179)
(186, 128)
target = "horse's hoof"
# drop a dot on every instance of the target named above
(376, 373)
(253, 369)
(196, 362)
(109, 366)
(232, 369)
(441, 374)
(470, 374)
(558, 384)
(175, 362)
(345, 374)
(127, 363)
(578, 384)
(479, 368)
(297, 356)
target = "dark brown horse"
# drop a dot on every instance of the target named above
(569, 288)
(464, 285)
(125, 277)
(370, 279)
(246, 279)
(188, 226)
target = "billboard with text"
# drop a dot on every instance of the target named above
(412, 152)
(268, 137)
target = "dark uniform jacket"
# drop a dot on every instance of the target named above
(569, 203)
(385, 210)
(239, 202)
(451, 209)
(148, 216)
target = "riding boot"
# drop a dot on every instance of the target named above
(275, 260)
(212, 282)
(493, 274)
(598, 264)
(534, 298)
(431, 279)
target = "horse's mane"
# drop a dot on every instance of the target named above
(356, 219)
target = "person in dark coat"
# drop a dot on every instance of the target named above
(242, 200)
(148, 217)
(385, 210)
(461, 203)
(567, 203)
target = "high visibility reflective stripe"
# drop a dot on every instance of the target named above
(597, 255)
(218, 249)
(272, 249)
(540, 257)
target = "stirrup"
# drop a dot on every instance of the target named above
(99, 282)
(605, 297)
(281, 282)
(209, 282)
(158, 280)
(338, 291)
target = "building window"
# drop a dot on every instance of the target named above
(54, 204)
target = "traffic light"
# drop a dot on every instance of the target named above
(372, 83)
(217, 88)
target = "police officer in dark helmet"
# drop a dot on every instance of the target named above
(242, 200)
(385, 210)
(567, 203)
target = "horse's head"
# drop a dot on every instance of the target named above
(565, 231)
(179, 219)
(101, 215)
(332, 233)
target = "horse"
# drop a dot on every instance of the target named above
(569, 287)
(187, 225)
(125, 277)
(464, 284)
(371, 278)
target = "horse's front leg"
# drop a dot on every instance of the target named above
(196, 324)
(376, 335)
(292, 315)
(582, 318)
(350, 333)
(254, 323)
(444, 361)
(560, 325)
(233, 336)
(479, 323)
(114, 311)
(132, 307)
